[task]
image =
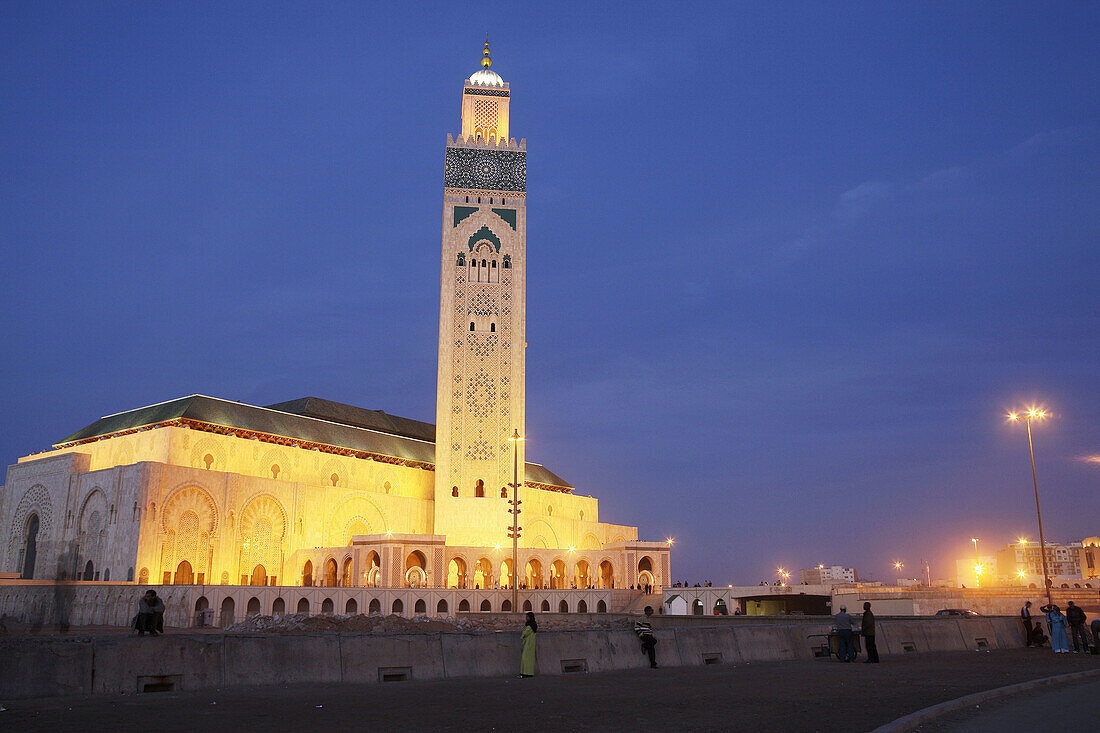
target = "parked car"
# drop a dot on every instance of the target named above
(957, 612)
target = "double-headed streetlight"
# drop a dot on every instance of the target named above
(1035, 414)
(515, 439)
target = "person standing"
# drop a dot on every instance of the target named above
(1059, 642)
(1025, 617)
(1076, 619)
(844, 633)
(645, 633)
(527, 658)
(867, 629)
(150, 615)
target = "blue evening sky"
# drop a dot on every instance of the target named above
(789, 263)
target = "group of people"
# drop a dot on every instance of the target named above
(1062, 626)
(643, 628)
(846, 634)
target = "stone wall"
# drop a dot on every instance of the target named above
(35, 667)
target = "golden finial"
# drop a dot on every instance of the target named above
(486, 60)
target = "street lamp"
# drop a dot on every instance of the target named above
(977, 563)
(898, 565)
(515, 439)
(1028, 416)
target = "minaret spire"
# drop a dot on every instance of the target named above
(486, 60)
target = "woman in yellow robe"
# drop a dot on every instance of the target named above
(527, 659)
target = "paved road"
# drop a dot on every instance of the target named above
(1071, 707)
(762, 697)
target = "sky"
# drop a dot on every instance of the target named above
(789, 264)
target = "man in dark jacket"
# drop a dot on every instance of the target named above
(150, 614)
(1025, 617)
(1076, 618)
(868, 632)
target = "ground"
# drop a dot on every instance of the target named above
(775, 696)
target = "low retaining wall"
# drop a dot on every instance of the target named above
(117, 664)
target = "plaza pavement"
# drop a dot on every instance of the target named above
(818, 695)
(1067, 707)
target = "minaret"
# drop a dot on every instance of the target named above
(482, 298)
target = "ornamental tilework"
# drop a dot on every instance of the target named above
(492, 170)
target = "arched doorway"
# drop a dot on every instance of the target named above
(506, 606)
(486, 606)
(563, 607)
(506, 574)
(720, 608)
(582, 607)
(351, 606)
(398, 607)
(185, 575)
(601, 607)
(463, 606)
(415, 575)
(557, 575)
(303, 606)
(278, 608)
(527, 605)
(645, 580)
(330, 573)
(227, 613)
(373, 572)
(30, 555)
(89, 571)
(545, 607)
(253, 608)
(307, 574)
(456, 573)
(345, 574)
(580, 574)
(441, 608)
(607, 575)
(259, 576)
(697, 607)
(375, 606)
(420, 607)
(326, 606)
(483, 573)
(534, 573)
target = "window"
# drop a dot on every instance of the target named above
(492, 328)
(471, 325)
(454, 491)
(479, 489)
(503, 492)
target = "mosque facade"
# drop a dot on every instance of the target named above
(314, 493)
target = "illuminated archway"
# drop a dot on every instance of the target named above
(581, 573)
(607, 575)
(534, 573)
(184, 574)
(330, 573)
(456, 573)
(259, 576)
(307, 573)
(557, 575)
(483, 573)
(506, 574)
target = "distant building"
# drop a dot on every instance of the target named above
(827, 575)
(1090, 557)
(1024, 559)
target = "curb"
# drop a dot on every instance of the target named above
(914, 720)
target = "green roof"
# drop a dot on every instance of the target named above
(308, 419)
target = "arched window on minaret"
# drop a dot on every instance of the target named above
(454, 491)
(492, 328)
(479, 489)
(471, 325)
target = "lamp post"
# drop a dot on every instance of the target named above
(977, 564)
(515, 502)
(1028, 416)
(898, 565)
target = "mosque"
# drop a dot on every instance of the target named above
(200, 491)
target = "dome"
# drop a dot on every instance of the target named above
(486, 78)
